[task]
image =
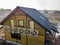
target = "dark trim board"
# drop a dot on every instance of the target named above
(26, 35)
(45, 39)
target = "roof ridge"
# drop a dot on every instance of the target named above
(25, 7)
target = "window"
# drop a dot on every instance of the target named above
(31, 25)
(16, 36)
(21, 23)
(12, 22)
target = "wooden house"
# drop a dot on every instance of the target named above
(27, 19)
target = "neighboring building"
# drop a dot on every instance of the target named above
(4, 13)
(28, 26)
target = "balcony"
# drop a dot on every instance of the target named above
(20, 30)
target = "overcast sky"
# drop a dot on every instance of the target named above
(38, 4)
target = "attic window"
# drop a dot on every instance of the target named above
(31, 25)
(12, 22)
(21, 23)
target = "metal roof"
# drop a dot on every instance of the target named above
(37, 16)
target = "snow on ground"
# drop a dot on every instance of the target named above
(2, 36)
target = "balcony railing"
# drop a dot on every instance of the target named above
(20, 30)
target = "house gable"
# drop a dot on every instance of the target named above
(20, 15)
(35, 15)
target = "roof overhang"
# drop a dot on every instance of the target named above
(54, 28)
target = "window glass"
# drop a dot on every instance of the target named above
(16, 36)
(12, 22)
(32, 25)
(21, 22)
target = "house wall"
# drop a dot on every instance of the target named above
(26, 40)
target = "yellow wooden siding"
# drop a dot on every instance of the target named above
(40, 40)
(40, 29)
(8, 37)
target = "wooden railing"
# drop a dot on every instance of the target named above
(21, 30)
